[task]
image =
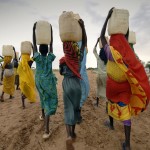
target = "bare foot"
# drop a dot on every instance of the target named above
(46, 135)
(69, 143)
(41, 117)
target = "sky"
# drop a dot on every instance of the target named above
(18, 16)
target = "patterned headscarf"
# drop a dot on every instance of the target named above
(119, 42)
(72, 57)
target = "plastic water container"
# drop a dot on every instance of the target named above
(69, 28)
(43, 32)
(132, 37)
(7, 50)
(26, 47)
(118, 22)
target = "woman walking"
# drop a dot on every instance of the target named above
(70, 69)
(45, 80)
(27, 85)
(8, 75)
(101, 73)
(127, 89)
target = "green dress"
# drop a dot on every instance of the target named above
(71, 96)
(46, 82)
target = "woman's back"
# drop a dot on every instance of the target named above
(43, 64)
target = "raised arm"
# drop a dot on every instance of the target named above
(94, 49)
(32, 51)
(34, 39)
(19, 57)
(51, 43)
(84, 39)
(15, 60)
(84, 36)
(102, 36)
(1, 57)
(15, 53)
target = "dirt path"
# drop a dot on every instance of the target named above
(21, 129)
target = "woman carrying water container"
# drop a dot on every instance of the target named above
(44, 77)
(26, 77)
(8, 75)
(70, 68)
(101, 71)
(127, 88)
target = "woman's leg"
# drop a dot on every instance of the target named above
(69, 141)
(73, 131)
(47, 124)
(97, 101)
(80, 117)
(111, 122)
(2, 97)
(127, 130)
(17, 87)
(23, 100)
(11, 97)
(68, 129)
(43, 113)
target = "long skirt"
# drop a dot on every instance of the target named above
(8, 85)
(101, 85)
(71, 97)
(118, 112)
(47, 90)
(85, 88)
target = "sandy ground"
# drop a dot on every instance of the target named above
(21, 129)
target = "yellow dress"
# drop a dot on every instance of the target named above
(138, 97)
(8, 82)
(26, 77)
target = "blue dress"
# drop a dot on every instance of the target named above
(85, 81)
(46, 82)
(71, 96)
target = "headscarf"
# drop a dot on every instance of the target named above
(119, 43)
(72, 57)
